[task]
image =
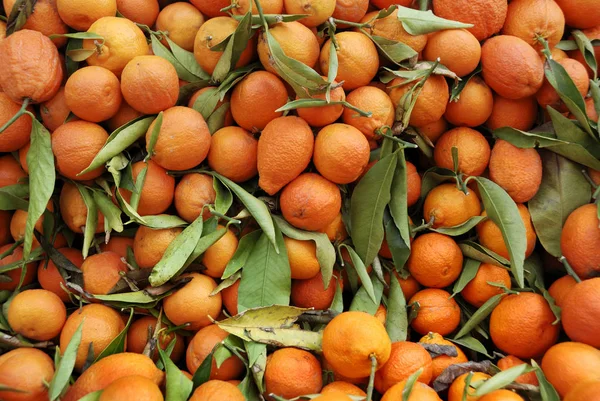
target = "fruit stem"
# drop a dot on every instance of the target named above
(352, 24)
(569, 269)
(230, 220)
(371, 377)
(17, 115)
(547, 52)
(423, 227)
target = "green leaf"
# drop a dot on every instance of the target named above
(434, 177)
(224, 198)
(91, 221)
(503, 211)
(12, 197)
(204, 243)
(42, 175)
(368, 203)
(563, 189)
(362, 300)
(469, 271)
(154, 136)
(587, 50)
(112, 214)
(482, 313)
(71, 64)
(547, 390)
(417, 22)
(78, 35)
(460, 85)
(206, 103)
(187, 59)
(236, 45)
(216, 121)
(325, 250)
(410, 383)
(20, 12)
(361, 271)
(139, 186)
(472, 344)
(160, 50)
(242, 253)
(502, 379)
(396, 322)
(64, 368)
(333, 68)
(163, 221)
(178, 386)
(396, 52)
(399, 202)
(202, 374)
(567, 130)
(266, 277)
(117, 345)
(177, 253)
(118, 141)
(461, 228)
(398, 248)
(337, 305)
(95, 396)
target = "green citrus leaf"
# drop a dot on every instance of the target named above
(187, 60)
(461, 228)
(361, 271)
(399, 202)
(396, 322)
(20, 12)
(64, 368)
(242, 253)
(410, 384)
(12, 197)
(337, 305)
(472, 344)
(417, 22)
(362, 300)
(112, 214)
(547, 390)
(91, 221)
(585, 46)
(117, 345)
(469, 271)
(567, 130)
(502, 379)
(458, 88)
(480, 253)
(396, 52)
(178, 386)
(160, 50)
(236, 44)
(482, 313)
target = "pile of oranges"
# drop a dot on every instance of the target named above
(229, 200)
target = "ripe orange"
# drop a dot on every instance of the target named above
(15, 275)
(517, 113)
(182, 22)
(324, 115)
(101, 325)
(233, 154)
(16, 135)
(580, 234)
(202, 344)
(81, 14)
(373, 100)
(486, 16)
(341, 153)
(37, 314)
(438, 312)
(387, 3)
(296, 41)
(183, 140)
(457, 49)
(123, 41)
(591, 33)
(255, 99)
(420, 392)
(435, 260)
(211, 8)
(310, 202)
(292, 372)
(511, 67)
(406, 358)
(568, 364)
(139, 11)
(311, 293)
(474, 105)
(548, 96)
(589, 390)
(150, 85)
(490, 235)
(19, 221)
(210, 34)
(518, 171)
(132, 387)
(561, 288)
(350, 10)
(74, 211)
(336, 230)
(391, 28)
(230, 298)
(358, 60)
(93, 94)
(101, 272)
(302, 256)
(473, 150)
(342, 387)
(431, 103)
(268, 6)
(158, 190)
(409, 285)
(501, 395)
(317, 11)
(44, 19)
(150, 245)
(456, 390)
(580, 305)
(125, 114)
(528, 19)
(10, 171)
(510, 361)
(217, 390)
(193, 192)
(440, 363)
(478, 291)
(217, 256)
(228, 120)
(522, 325)
(434, 130)
(580, 14)
(590, 109)
(28, 370)
(449, 206)
(54, 112)
(142, 330)
(285, 149)
(193, 303)
(350, 340)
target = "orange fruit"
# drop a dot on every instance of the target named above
(590, 109)
(230, 298)
(373, 100)
(517, 113)
(584, 391)
(406, 358)
(81, 14)
(413, 183)
(580, 305)
(5, 218)
(142, 330)
(255, 99)
(211, 8)
(19, 221)
(311, 293)
(54, 112)
(391, 28)
(268, 6)
(548, 96)
(510, 361)
(420, 392)
(486, 16)
(438, 312)
(210, 34)
(342, 387)
(580, 234)
(123, 41)
(457, 388)
(431, 103)
(217, 390)
(31, 67)
(132, 387)
(44, 19)
(358, 60)
(473, 107)
(158, 190)
(341, 153)
(107, 370)
(125, 114)
(501, 395)
(10, 171)
(302, 256)
(118, 245)
(440, 363)
(310, 202)
(449, 206)
(350, 10)
(93, 94)
(350, 339)
(518, 171)
(142, 12)
(409, 285)
(285, 149)
(457, 49)
(292, 372)
(521, 325)
(434, 130)
(150, 245)
(150, 85)
(296, 41)
(183, 140)
(202, 344)
(17, 134)
(193, 192)
(580, 14)
(473, 150)
(435, 260)
(182, 22)
(101, 325)
(511, 67)
(218, 255)
(193, 303)
(324, 115)
(336, 230)
(23, 157)
(101, 272)
(233, 154)
(2, 30)
(37, 314)
(317, 11)
(50, 278)
(528, 19)
(568, 364)
(561, 288)
(15, 274)
(387, 3)
(28, 370)
(75, 144)
(74, 211)
(478, 291)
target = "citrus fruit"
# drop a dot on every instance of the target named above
(350, 10)
(17, 134)
(93, 94)
(317, 11)
(28, 370)
(342, 387)
(182, 22)
(324, 115)
(302, 256)
(217, 390)
(530, 20)
(229, 296)
(501, 395)
(580, 234)
(233, 154)
(268, 6)
(311, 293)
(448, 206)
(473, 107)
(74, 210)
(405, 359)
(132, 387)
(192, 193)
(420, 392)
(435, 260)
(202, 344)
(158, 190)
(390, 27)
(486, 16)
(374, 101)
(582, 302)
(580, 14)
(15, 274)
(560, 289)
(584, 391)
(37, 314)
(101, 272)
(54, 112)
(10, 171)
(457, 49)
(125, 114)
(150, 245)
(568, 364)
(431, 103)
(441, 362)
(473, 151)
(510, 361)
(457, 388)
(211, 8)
(81, 14)
(478, 291)
(516, 113)
(142, 330)
(218, 255)
(142, 12)
(437, 313)
(548, 96)
(292, 372)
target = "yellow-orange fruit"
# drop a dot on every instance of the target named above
(473, 151)
(37, 314)
(438, 312)
(431, 103)
(457, 49)
(568, 364)
(473, 107)
(374, 101)
(233, 154)
(28, 370)
(516, 113)
(487, 16)
(478, 291)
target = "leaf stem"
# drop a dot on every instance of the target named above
(230, 220)
(423, 5)
(17, 115)
(569, 269)
(423, 227)
(352, 24)
(371, 377)
(547, 52)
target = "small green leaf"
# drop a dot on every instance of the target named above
(187, 59)
(236, 45)
(20, 12)
(417, 22)
(568, 130)
(399, 202)
(337, 305)
(112, 214)
(398, 248)
(12, 197)
(117, 345)
(396, 52)
(458, 88)
(78, 35)
(206, 103)
(154, 135)
(216, 121)
(461, 228)
(224, 198)
(209, 238)
(587, 50)
(242, 253)
(396, 322)
(362, 300)
(410, 383)
(361, 271)
(202, 374)
(91, 221)
(95, 396)
(482, 313)
(472, 344)
(469, 271)
(502, 379)
(547, 390)
(178, 386)
(160, 50)
(64, 369)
